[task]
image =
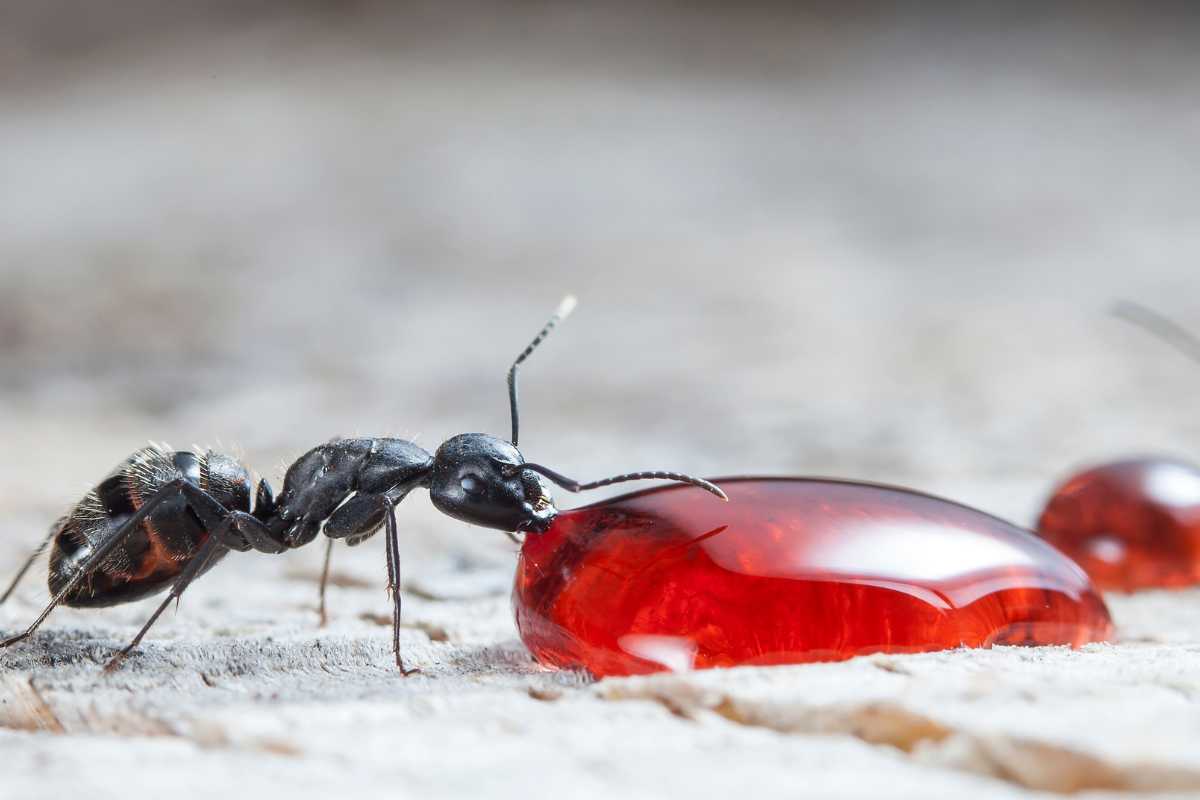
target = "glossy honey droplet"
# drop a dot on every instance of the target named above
(1132, 524)
(790, 570)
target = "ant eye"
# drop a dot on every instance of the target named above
(471, 484)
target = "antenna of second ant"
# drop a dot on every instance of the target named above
(1159, 326)
(562, 312)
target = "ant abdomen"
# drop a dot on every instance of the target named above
(152, 556)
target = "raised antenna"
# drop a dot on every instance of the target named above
(1159, 326)
(562, 312)
(572, 485)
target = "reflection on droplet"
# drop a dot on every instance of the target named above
(1107, 548)
(674, 653)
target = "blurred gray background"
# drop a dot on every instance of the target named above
(816, 239)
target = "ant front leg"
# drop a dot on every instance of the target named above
(358, 520)
(393, 563)
(345, 488)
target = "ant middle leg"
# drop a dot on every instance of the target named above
(227, 529)
(321, 609)
(237, 530)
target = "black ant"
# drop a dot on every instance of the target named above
(162, 518)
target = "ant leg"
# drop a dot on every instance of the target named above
(237, 529)
(393, 565)
(97, 558)
(12, 587)
(356, 520)
(193, 568)
(229, 529)
(324, 582)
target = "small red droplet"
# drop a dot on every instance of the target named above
(790, 570)
(1131, 524)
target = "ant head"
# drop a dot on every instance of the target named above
(482, 480)
(486, 481)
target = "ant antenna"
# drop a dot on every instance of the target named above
(575, 486)
(1159, 326)
(562, 312)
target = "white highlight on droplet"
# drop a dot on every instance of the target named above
(1173, 484)
(675, 653)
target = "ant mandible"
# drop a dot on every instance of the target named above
(162, 518)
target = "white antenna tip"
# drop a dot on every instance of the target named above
(566, 307)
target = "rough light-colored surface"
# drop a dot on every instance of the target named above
(874, 248)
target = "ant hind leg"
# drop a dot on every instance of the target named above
(101, 552)
(193, 568)
(29, 562)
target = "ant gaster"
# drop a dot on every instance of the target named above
(162, 518)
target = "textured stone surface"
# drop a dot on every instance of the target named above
(804, 245)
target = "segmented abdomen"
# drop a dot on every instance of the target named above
(151, 556)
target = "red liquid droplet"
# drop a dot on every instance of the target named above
(790, 570)
(1131, 524)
